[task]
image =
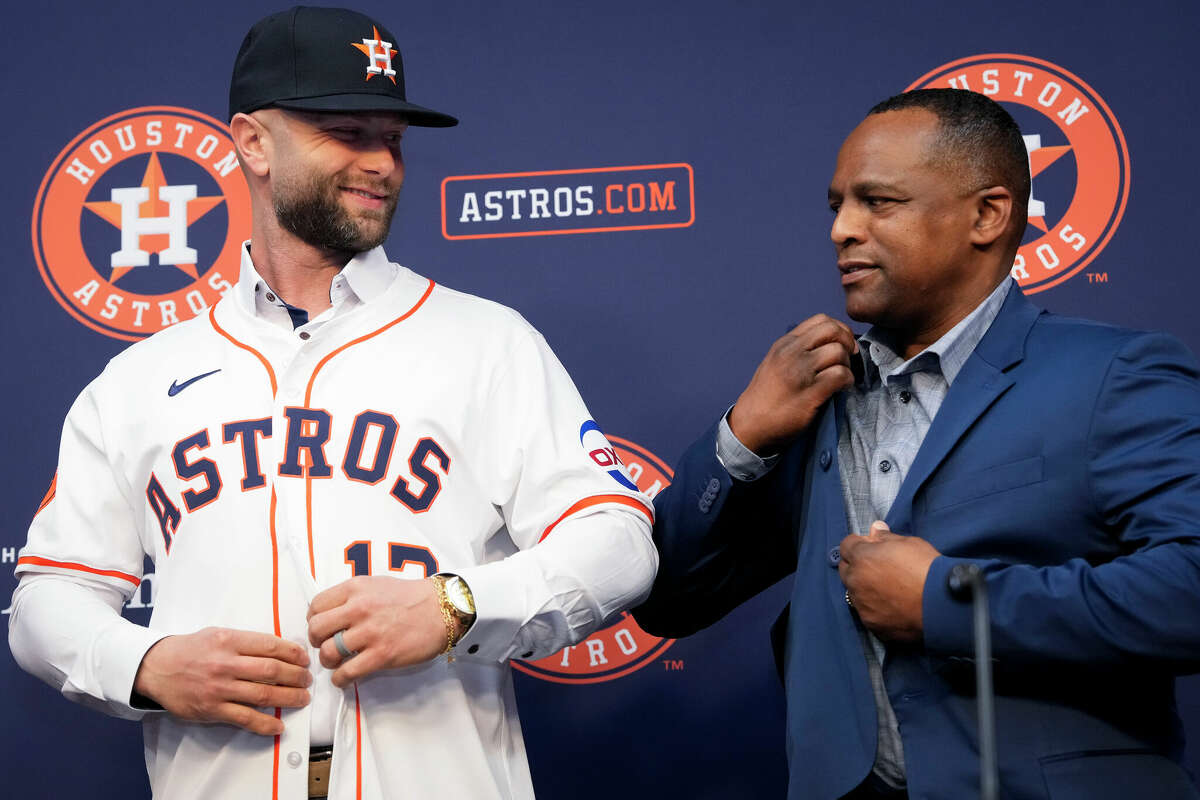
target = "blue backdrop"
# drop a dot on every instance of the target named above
(660, 314)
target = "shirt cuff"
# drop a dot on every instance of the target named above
(121, 652)
(537, 601)
(738, 460)
(503, 592)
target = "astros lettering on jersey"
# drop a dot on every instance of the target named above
(424, 430)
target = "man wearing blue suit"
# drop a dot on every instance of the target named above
(1060, 456)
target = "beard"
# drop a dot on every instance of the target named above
(311, 209)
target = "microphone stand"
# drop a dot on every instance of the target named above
(968, 579)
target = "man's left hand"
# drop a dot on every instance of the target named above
(884, 574)
(387, 622)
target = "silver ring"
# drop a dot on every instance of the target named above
(849, 602)
(346, 652)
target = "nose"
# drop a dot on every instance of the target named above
(381, 158)
(847, 226)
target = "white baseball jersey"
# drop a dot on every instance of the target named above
(414, 430)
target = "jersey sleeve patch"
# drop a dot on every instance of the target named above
(601, 452)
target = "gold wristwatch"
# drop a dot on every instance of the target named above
(457, 600)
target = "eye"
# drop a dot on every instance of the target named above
(834, 206)
(875, 201)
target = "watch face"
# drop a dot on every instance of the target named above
(458, 594)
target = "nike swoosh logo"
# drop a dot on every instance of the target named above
(176, 388)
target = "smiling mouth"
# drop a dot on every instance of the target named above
(364, 193)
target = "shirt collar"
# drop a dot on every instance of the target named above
(947, 355)
(368, 275)
(365, 277)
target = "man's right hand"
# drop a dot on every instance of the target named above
(223, 675)
(801, 371)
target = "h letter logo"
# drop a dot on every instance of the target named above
(382, 56)
(379, 56)
(134, 226)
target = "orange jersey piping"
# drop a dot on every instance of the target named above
(588, 502)
(363, 338)
(49, 495)
(357, 746)
(308, 404)
(212, 318)
(108, 573)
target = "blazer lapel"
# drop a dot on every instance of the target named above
(981, 381)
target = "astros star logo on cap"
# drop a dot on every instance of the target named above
(379, 55)
(301, 59)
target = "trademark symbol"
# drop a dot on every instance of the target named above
(672, 664)
(1097, 277)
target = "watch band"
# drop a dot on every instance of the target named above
(448, 616)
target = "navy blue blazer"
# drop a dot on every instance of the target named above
(1065, 461)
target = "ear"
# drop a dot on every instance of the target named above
(253, 142)
(993, 211)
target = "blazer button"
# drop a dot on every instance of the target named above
(825, 459)
(835, 557)
(705, 505)
(714, 486)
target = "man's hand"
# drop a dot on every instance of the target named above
(223, 675)
(388, 622)
(800, 372)
(884, 574)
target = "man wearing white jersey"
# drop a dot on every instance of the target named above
(362, 493)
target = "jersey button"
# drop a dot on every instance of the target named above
(473, 649)
(294, 760)
(270, 297)
(304, 335)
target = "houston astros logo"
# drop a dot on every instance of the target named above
(140, 219)
(379, 56)
(1077, 155)
(622, 647)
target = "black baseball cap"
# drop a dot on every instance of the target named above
(323, 59)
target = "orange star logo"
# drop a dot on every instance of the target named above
(154, 207)
(376, 57)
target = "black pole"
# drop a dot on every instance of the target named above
(966, 578)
